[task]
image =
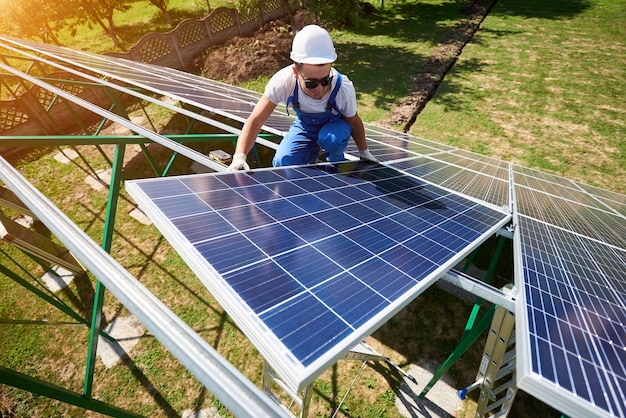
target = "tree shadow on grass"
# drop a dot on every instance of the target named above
(408, 22)
(539, 9)
(381, 72)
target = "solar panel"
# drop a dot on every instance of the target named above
(571, 316)
(223, 99)
(220, 98)
(310, 260)
(582, 268)
(489, 183)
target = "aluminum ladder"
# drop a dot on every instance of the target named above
(496, 376)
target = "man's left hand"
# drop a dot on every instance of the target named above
(367, 155)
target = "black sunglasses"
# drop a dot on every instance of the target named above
(314, 82)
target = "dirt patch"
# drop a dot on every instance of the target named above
(261, 54)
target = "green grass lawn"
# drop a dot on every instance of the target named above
(142, 18)
(541, 85)
(382, 54)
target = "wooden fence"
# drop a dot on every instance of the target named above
(191, 37)
(174, 49)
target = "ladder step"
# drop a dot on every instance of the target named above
(505, 386)
(499, 361)
(498, 403)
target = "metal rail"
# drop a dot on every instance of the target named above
(181, 149)
(220, 377)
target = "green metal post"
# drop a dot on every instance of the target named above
(145, 112)
(109, 221)
(488, 276)
(51, 300)
(466, 343)
(43, 388)
(472, 329)
(190, 125)
(169, 165)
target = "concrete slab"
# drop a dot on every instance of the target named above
(204, 413)
(100, 182)
(25, 221)
(66, 155)
(140, 216)
(126, 331)
(58, 279)
(440, 401)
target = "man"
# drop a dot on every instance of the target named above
(324, 102)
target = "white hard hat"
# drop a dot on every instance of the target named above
(313, 45)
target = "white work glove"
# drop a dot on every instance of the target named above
(367, 155)
(239, 162)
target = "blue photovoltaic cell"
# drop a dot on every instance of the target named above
(486, 180)
(573, 258)
(368, 302)
(575, 296)
(324, 328)
(316, 253)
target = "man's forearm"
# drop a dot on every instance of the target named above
(358, 134)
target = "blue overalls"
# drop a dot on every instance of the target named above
(311, 132)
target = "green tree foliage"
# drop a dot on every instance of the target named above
(99, 12)
(336, 13)
(162, 5)
(43, 20)
(33, 19)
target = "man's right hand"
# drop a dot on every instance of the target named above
(239, 162)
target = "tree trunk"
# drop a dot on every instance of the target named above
(110, 31)
(168, 18)
(50, 33)
(290, 13)
(112, 34)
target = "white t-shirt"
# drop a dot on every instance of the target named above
(282, 84)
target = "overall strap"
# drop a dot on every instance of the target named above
(294, 99)
(331, 104)
(333, 95)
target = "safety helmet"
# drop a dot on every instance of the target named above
(313, 45)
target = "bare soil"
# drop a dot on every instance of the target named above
(245, 58)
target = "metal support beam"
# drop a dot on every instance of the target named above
(474, 329)
(466, 342)
(10, 141)
(47, 389)
(220, 377)
(188, 152)
(51, 299)
(481, 289)
(107, 239)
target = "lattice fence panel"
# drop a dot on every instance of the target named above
(252, 13)
(222, 19)
(154, 48)
(190, 32)
(46, 97)
(10, 116)
(271, 5)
